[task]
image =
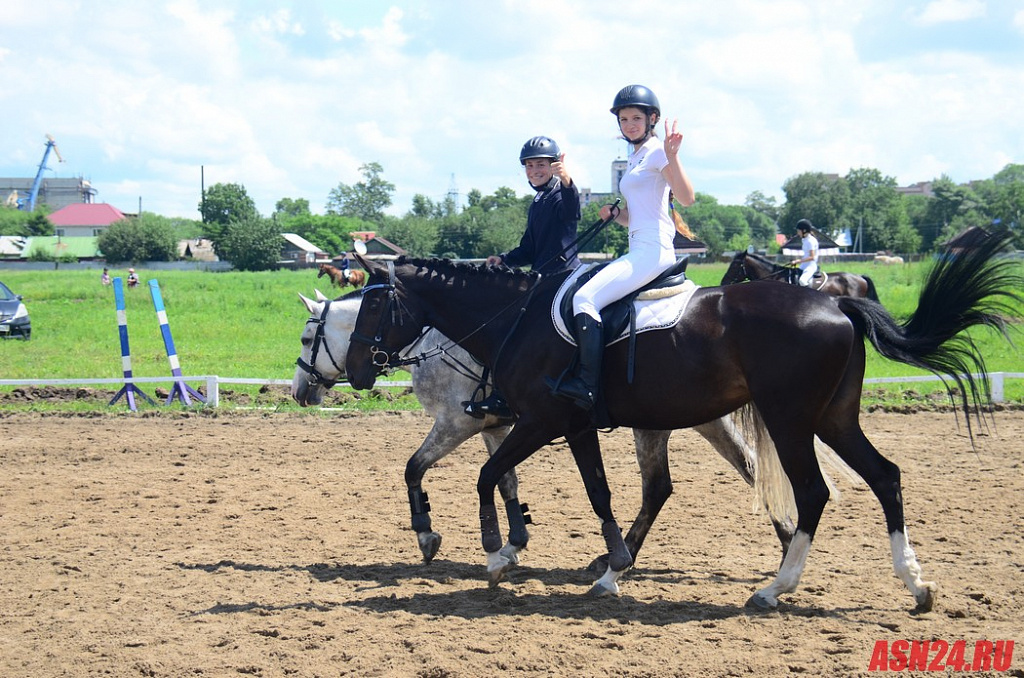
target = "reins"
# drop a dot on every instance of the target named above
(778, 270)
(392, 359)
(586, 236)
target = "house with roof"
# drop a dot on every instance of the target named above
(965, 240)
(83, 248)
(683, 245)
(84, 219)
(197, 249)
(826, 245)
(375, 245)
(298, 251)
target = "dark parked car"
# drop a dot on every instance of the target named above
(14, 320)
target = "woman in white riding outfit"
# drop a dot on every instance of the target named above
(653, 176)
(808, 262)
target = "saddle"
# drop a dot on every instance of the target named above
(817, 280)
(615, 317)
(619, 319)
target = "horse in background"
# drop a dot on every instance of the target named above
(747, 266)
(887, 259)
(342, 277)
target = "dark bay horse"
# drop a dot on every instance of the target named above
(442, 382)
(735, 347)
(747, 266)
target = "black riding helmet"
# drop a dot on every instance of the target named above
(539, 147)
(804, 225)
(637, 96)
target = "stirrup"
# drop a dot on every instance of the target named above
(493, 405)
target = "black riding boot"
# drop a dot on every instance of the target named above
(582, 388)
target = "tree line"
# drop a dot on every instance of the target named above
(865, 201)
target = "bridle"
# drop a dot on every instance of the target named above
(315, 378)
(382, 356)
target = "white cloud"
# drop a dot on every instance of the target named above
(292, 102)
(947, 11)
(279, 22)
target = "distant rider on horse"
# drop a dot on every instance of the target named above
(808, 262)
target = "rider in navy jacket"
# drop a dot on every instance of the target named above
(550, 230)
(554, 213)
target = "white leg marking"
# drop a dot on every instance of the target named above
(497, 566)
(607, 585)
(789, 574)
(511, 553)
(904, 562)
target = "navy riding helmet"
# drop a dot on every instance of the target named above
(539, 147)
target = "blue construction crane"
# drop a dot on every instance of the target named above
(29, 204)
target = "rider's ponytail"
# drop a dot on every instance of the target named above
(681, 227)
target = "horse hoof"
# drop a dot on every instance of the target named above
(603, 590)
(760, 602)
(430, 542)
(926, 598)
(497, 566)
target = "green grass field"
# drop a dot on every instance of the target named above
(247, 325)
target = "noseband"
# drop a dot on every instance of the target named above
(315, 378)
(382, 356)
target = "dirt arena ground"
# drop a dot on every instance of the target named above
(278, 545)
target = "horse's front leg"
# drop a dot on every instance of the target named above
(508, 487)
(586, 450)
(446, 434)
(652, 458)
(525, 439)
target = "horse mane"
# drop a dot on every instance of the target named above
(462, 268)
(763, 260)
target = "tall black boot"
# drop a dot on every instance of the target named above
(582, 388)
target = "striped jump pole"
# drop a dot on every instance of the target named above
(129, 389)
(180, 388)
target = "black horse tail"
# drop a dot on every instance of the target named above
(872, 292)
(962, 290)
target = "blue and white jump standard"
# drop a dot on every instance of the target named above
(129, 389)
(180, 388)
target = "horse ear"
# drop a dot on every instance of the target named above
(309, 303)
(365, 263)
(319, 295)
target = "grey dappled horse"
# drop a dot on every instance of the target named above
(441, 390)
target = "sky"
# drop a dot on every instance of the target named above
(150, 100)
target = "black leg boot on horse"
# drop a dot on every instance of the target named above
(582, 388)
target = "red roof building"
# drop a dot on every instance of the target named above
(88, 219)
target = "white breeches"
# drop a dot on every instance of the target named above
(642, 264)
(807, 273)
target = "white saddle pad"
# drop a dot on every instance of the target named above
(655, 309)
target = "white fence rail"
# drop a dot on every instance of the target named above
(213, 382)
